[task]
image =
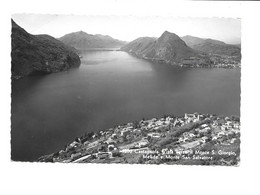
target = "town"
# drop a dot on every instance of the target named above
(215, 61)
(192, 139)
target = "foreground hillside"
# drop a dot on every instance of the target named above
(171, 49)
(39, 54)
(194, 139)
(83, 40)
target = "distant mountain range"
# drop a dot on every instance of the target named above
(186, 51)
(212, 46)
(83, 40)
(168, 48)
(39, 54)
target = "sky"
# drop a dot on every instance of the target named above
(128, 28)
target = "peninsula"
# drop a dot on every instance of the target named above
(169, 48)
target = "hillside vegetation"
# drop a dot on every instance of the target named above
(83, 40)
(39, 54)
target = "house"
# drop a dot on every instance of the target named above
(154, 135)
(223, 128)
(111, 147)
(203, 126)
(167, 122)
(204, 139)
(73, 144)
(125, 131)
(233, 140)
(76, 155)
(220, 122)
(214, 124)
(156, 128)
(182, 139)
(220, 134)
(191, 144)
(195, 119)
(227, 119)
(186, 116)
(95, 143)
(109, 141)
(141, 144)
(235, 131)
(191, 135)
(159, 123)
(114, 136)
(168, 118)
(201, 117)
(205, 130)
(236, 125)
(103, 155)
(175, 122)
(153, 119)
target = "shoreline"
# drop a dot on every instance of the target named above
(223, 64)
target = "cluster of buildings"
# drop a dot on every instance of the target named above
(222, 61)
(215, 61)
(220, 131)
(124, 141)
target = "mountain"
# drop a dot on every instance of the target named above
(39, 54)
(168, 48)
(140, 46)
(83, 40)
(212, 46)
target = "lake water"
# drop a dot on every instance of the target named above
(111, 88)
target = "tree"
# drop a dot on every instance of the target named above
(90, 134)
(235, 118)
(136, 125)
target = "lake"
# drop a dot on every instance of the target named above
(108, 89)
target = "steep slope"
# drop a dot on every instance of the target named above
(140, 46)
(212, 46)
(83, 40)
(168, 48)
(39, 54)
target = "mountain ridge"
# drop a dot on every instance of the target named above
(83, 40)
(212, 46)
(168, 48)
(39, 54)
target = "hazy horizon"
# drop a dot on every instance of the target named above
(129, 28)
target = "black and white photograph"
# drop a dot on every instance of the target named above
(125, 89)
(129, 97)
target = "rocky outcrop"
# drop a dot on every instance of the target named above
(39, 54)
(83, 40)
